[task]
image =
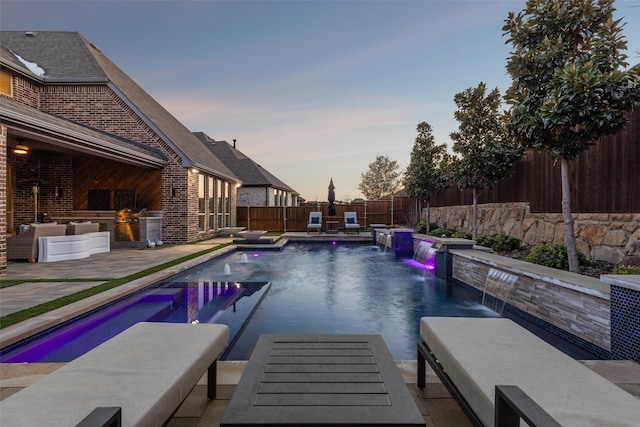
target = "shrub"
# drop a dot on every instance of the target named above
(499, 242)
(626, 269)
(439, 232)
(421, 228)
(553, 255)
(462, 235)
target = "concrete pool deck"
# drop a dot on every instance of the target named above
(435, 403)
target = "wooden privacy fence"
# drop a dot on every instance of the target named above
(393, 211)
(604, 179)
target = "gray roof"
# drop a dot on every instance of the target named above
(82, 138)
(68, 57)
(251, 173)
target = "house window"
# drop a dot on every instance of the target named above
(220, 203)
(5, 83)
(227, 205)
(211, 188)
(201, 202)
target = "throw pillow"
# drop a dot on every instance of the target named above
(351, 220)
(315, 220)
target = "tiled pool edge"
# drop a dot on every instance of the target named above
(625, 316)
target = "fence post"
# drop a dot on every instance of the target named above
(392, 210)
(365, 214)
(248, 218)
(284, 219)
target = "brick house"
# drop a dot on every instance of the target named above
(259, 187)
(94, 142)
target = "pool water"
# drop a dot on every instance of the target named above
(326, 287)
(340, 288)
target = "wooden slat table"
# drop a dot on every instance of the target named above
(321, 380)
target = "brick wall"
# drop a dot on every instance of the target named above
(3, 200)
(97, 106)
(58, 172)
(262, 196)
(26, 92)
(253, 196)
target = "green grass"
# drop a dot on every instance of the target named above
(19, 316)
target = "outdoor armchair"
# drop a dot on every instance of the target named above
(351, 222)
(315, 222)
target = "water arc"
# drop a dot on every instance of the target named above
(497, 288)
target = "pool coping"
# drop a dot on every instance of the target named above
(35, 325)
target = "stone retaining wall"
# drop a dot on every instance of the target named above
(575, 304)
(614, 238)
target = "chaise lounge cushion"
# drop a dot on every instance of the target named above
(148, 370)
(478, 354)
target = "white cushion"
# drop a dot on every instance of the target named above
(148, 370)
(480, 353)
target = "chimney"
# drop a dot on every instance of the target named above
(234, 143)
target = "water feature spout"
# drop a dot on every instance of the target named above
(227, 269)
(497, 285)
(244, 259)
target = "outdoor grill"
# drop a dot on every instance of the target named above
(127, 226)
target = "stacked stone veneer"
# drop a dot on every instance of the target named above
(568, 304)
(611, 237)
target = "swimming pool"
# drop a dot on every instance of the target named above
(339, 288)
(323, 287)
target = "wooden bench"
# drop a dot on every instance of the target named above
(321, 380)
(147, 371)
(474, 355)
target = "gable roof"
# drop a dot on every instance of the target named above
(67, 57)
(82, 138)
(251, 173)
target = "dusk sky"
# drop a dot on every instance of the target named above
(311, 90)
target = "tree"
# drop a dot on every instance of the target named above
(485, 153)
(383, 177)
(426, 174)
(569, 87)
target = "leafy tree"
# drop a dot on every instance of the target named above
(426, 174)
(485, 153)
(383, 177)
(569, 87)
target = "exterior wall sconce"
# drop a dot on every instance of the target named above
(194, 170)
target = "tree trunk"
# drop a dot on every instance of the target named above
(475, 214)
(569, 235)
(428, 217)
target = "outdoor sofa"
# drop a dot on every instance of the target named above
(25, 244)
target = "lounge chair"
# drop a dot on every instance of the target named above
(351, 222)
(315, 222)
